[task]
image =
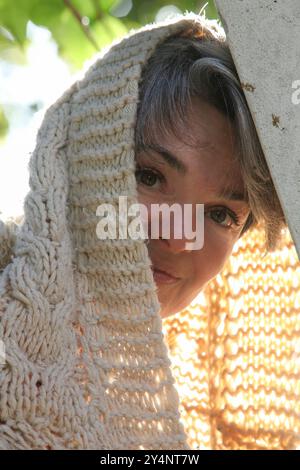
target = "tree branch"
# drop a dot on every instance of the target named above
(84, 27)
(99, 13)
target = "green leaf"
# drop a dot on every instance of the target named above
(73, 45)
(211, 11)
(85, 7)
(4, 125)
(14, 16)
(45, 12)
(108, 29)
(106, 5)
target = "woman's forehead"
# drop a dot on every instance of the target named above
(209, 127)
(207, 136)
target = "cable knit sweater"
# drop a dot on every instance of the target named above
(88, 362)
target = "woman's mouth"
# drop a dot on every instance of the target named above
(162, 277)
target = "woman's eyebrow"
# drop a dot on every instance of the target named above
(169, 158)
(232, 195)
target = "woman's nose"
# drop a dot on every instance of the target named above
(175, 245)
(176, 241)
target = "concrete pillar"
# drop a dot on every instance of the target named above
(264, 39)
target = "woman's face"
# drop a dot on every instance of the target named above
(192, 168)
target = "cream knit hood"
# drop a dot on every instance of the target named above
(86, 361)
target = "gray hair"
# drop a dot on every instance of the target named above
(189, 66)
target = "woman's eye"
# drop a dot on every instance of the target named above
(222, 216)
(148, 176)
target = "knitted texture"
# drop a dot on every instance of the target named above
(87, 364)
(236, 352)
(86, 361)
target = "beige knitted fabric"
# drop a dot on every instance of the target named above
(87, 365)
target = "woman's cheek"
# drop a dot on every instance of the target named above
(145, 213)
(216, 250)
(149, 216)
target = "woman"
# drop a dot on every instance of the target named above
(192, 107)
(86, 364)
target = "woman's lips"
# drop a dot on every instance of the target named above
(162, 277)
